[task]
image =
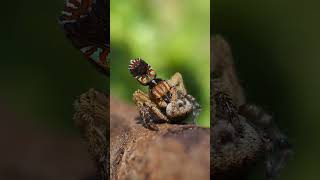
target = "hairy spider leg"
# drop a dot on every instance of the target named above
(147, 109)
(148, 118)
(226, 109)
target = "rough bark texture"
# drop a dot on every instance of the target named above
(173, 152)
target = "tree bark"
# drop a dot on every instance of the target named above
(172, 152)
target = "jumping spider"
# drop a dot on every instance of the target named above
(167, 100)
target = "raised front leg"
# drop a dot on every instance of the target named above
(177, 81)
(148, 110)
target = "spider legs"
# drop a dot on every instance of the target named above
(148, 110)
(177, 81)
(147, 118)
(226, 109)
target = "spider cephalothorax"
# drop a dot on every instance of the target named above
(167, 100)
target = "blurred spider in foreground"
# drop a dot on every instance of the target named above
(167, 100)
(241, 133)
(275, 144)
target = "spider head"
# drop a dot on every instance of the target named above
(142, 71)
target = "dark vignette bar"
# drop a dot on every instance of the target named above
(243, 135)
(87, 25)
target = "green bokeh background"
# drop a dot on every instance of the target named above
(172, 36)
(276, 48)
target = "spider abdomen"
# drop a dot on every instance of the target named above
(161, 90)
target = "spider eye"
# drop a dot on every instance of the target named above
(142, 71)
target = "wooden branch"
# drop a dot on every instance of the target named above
(173, 152)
